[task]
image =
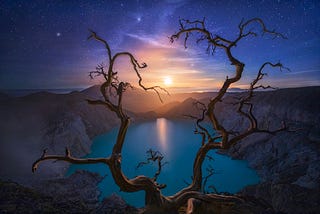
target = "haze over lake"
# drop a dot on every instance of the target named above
(177, 142)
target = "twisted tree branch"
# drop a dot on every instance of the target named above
(68, 158)
(154, 156)
(154, 197)
(186, 28)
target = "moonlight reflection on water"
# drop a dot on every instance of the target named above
(179, 145)
(162, 132)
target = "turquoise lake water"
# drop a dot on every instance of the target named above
(177, 142)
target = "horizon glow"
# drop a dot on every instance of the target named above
(44, 45)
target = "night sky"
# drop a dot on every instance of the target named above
(43, 44)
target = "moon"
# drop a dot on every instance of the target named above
(167, 81)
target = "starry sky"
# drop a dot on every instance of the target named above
(43, 44)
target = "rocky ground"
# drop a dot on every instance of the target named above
(288, 162)
(76, 194)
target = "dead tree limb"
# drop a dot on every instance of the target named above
(68, 158)
(216, 41)
(112, 83)
(154, 156)
(224, 140)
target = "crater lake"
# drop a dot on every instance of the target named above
(176, 141)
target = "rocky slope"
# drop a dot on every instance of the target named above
(288, 162)
(76, 194)
(44, 120)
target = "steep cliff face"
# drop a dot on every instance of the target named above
(288, 162)
(290, 156)
(43, 120)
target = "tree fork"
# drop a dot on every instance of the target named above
(154, 198)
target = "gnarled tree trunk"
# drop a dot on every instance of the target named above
(190, 197)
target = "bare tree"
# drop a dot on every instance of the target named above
(155, 201)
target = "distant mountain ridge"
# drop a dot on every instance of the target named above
(138, 100)
(288, 163)
(25, 92)
(291, 102)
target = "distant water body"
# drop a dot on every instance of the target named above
(177, 142)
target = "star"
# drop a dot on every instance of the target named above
(149, 23)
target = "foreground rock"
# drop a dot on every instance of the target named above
(286, 198)
(80, 186)
(15, 198)
(115, 205)
(76, 194)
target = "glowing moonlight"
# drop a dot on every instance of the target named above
(167, 81)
